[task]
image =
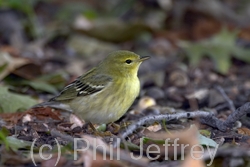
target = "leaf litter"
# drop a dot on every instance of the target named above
(195, 91)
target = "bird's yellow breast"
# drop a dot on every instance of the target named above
(115, 100)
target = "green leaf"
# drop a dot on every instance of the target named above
(58, 80)
(130, 146)
(195, 51)
(146, 140)
(2, 67)
(205, 133)
(12, 142)
(40, 85)
(102, 127)
(205, 141)
(3, 137)
(221, 48)
(222, 62)
(12, 102)
(16, 144)
(28, 8)
(242, 54)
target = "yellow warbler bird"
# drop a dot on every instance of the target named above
(104, 93)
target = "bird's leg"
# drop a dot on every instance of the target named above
(114, 128)
(92, 127)
(97, 132)
(88, 126)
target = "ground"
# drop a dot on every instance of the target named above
(193, 107)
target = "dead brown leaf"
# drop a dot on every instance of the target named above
(95, 159)
(10, 63)
(12, 118)
(43, 113)
(11, 50)
(187, 138)
(244, 131)
(53, 161)
(28, 71)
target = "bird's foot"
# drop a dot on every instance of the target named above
(114, 128)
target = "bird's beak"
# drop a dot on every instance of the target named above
(143, 58)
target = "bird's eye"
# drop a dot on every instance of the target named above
(128, 61)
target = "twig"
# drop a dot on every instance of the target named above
(221, 106)
(213, 122)
(167, 117)
(231, 119)
(229, 101)
(123, 156)
(205, 118)
(236, 115)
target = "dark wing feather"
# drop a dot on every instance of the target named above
(83, 86)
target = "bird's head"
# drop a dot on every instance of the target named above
(122, 63)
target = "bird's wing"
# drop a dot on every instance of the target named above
(84, 86)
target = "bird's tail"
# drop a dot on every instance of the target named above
(54, 104)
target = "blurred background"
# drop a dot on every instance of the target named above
(193, 44)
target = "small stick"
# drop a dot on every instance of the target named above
(229, 101)
(167, 117)
(236, 115)
(205, 118)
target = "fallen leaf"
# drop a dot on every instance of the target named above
(12, 102)
(154, 128)
(40, 85)
(16, 144)
(9, 64)
(28, 71)
(244, 131)
(188, 138)
(12, 118)
(113, 30)
(53, 161)
(95, 159)
(43, 113)
(221, 48)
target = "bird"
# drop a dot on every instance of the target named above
(105, 93)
